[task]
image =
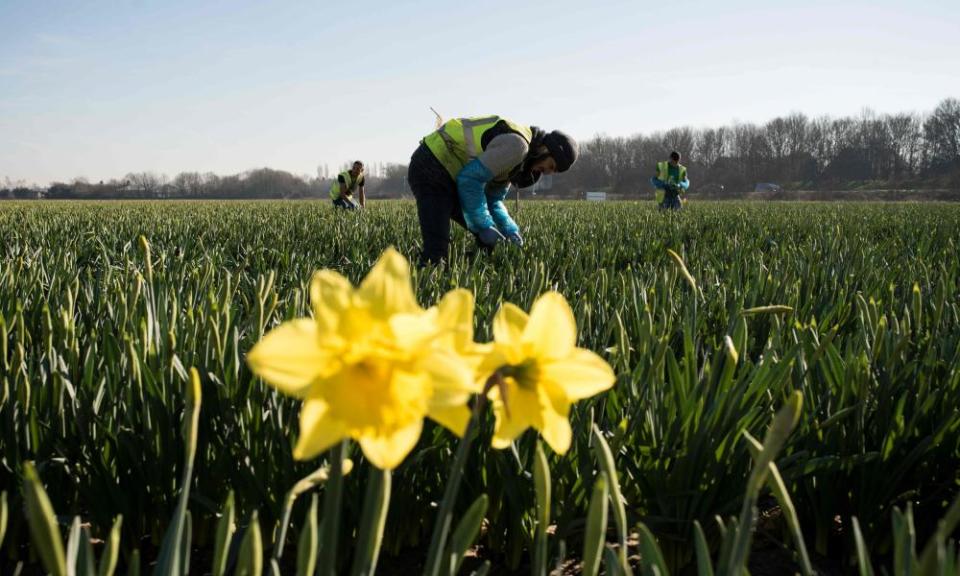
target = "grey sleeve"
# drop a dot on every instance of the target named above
(503, 153)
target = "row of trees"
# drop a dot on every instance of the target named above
(892, 150)
(255, 184)
(905, 150)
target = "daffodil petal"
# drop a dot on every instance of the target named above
(318, 431)
(487, 359)
(356, 325)
(330, 299)
(506, 431)
(552, 329)
(556, 431)
(290, 357)
(580, 375)
(526, 405)
(476, 353)
(521, 409)
(453, 418)
(415, 330)
(448, 372)
(387, 288)
(455, 316)
(508, 325)
(375, 395)
(554, 395)
(387, 452)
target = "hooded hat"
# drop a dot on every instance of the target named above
(562, 148)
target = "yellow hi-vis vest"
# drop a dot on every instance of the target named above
(460, 140)
(663, 174)
(351, 185)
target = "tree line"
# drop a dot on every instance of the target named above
(906, 150)
(261, 183)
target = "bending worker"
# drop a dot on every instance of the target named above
(347, 182)
(670, 182)
(462, 172)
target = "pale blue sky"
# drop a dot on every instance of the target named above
(99, 89)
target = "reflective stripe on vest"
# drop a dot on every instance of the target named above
(460, 140)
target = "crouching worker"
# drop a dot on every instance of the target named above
(463, 170)
(348, 182)
(670, 183)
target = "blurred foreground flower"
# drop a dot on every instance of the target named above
(371, 363)
(539, 371)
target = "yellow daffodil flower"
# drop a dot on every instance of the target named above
(539, 371)
(371, 363)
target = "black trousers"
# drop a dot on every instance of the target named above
(437, 203)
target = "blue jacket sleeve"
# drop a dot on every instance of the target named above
(471, 182)
(498, 210)
(657, 183)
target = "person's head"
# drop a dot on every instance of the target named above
(556, 153)
(675, 158)
(357, 168)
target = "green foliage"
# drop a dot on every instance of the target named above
(855, 307)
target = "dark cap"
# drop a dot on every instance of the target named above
(562, 148)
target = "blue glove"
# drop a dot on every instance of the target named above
(471, 182)
(489, 236)
(515, 238)
(498, 211)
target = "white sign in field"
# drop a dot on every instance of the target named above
(596, 196)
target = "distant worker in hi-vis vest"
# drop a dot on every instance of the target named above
(348, 182)
(670, 183)
(463, 170)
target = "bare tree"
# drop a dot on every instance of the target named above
(907, 139)
(776, 134)
(188, 184)
(942, 133)
(143, 184)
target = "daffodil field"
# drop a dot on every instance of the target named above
(275, 388)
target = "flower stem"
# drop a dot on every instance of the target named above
(441, 530)
(331, 513)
